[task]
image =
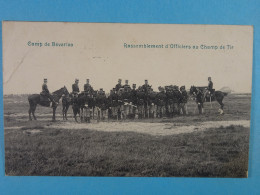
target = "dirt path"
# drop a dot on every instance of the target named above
(149, 128)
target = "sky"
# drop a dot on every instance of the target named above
(98, 53)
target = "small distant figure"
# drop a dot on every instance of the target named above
(46, 92)
(101, 92)
(146, 87)
(127, 87)
(183, 100)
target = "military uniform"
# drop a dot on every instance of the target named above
(183, 100)
(146, 88)
(210, 91)
(210, 87)
(46, 92)
(118, 86)
(88, 88)
(75, 88)
(160, 102)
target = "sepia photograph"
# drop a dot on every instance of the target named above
(126, 100)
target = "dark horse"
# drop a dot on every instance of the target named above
(198, 92)
(78, 104)
(36, 99)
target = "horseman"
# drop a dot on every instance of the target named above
(75, 90)
(210, 91)
(118, 85)
(183, 100)
(88, 88)
(46, 92)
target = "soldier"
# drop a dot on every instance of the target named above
(210, 89)
(183, 100)
(127, 86)
(160, 102)
(146, 88)
(75, 87)
(46, 92)
(88, 88)
(134, 100)
(119, 85)
(101, 92)
(75, 90)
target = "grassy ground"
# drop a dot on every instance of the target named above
(213, 153)
(217, 152)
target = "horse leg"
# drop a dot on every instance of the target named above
(199, 107)
(63, 112)
(221, 105)
(30, 111)
(75, 111)
(33, 111)
(66, 110)
(53, 113)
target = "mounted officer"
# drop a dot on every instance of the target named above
(45, 92)
(88, 88)
(118, 85)
(75, 90)
(210, 91)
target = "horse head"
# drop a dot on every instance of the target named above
(65, 91)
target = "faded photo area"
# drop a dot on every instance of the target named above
(134, 100)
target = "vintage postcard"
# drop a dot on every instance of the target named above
(112, 99)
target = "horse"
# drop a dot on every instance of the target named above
(35, 99)
(78, 104)
(199, 94)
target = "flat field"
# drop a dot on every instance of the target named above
(207, 145)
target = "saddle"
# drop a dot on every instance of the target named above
(210, 96)
(44, 100)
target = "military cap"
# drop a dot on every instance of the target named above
(76, 79)
(101, 89)
(87, 80)
(119, 79)
(45, 79)
(209, 78)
